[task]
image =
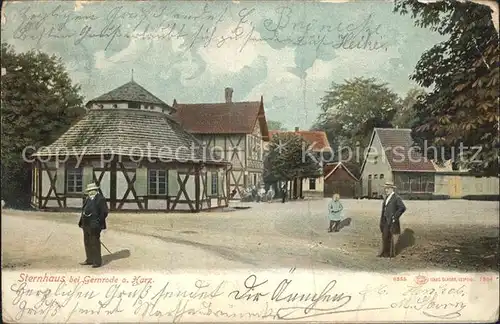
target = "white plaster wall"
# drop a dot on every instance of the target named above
(182, 206)
(105, 183)
(121, 186)
(74, 203)
(190, 188)
(214, 202)
(45, 183)
(157, 204)
(377, 166)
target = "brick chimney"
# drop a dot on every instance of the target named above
(296, 129)
(228, 94)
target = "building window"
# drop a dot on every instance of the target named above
(414, 182)
(157, 183)
(375, 176)
(381, 176)
(214, 183)
(134, 105)
(115, 106)
(312, 184)
(254, 179)
(369, 177)
(74, 180)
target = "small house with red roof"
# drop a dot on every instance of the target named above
(392, 156)
(318, 145)
(236, 131)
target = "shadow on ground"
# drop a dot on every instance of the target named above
(405, 240)
(473, 253)
(346, 222)
(122, 254)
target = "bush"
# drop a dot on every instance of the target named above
(423, 196)
(440, 197)
(482, 197)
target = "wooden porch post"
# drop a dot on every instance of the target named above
(197, 168)
(112, 185)
(39, 169)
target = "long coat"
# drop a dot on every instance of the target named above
(98, 209)
(335, 210)
(391, 213)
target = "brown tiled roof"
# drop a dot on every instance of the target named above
(397, 143)
(222, 118)
(317, 139)
(130, 91)
(330, 168)
(128, 132)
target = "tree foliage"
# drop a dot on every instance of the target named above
(406, 116)
(275, 125)
(351, 110)
(38, 104)
(462, 75)
(289, 158)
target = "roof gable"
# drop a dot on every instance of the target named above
(222, 118)
(317, 139)
(399, 151)
(130, 91)
(330, 169)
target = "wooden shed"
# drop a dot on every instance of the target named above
(339, 179)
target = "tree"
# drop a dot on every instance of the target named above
(275, 125)
(406, 116)
(289, 159)
(351, 110)
(38, 104)
(462, 74)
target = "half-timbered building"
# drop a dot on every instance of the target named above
(142, 159)
(234, 130)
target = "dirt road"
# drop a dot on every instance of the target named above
(453, 235)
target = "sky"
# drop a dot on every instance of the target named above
(287, 52)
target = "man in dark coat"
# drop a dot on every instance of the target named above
(392, 209)
(92, 222)
(284, 191)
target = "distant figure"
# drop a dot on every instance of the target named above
(270, 195)
(233, 193)
(92, 222)
(284, 191)
(261, 193)
(253, 190)
(392, 209)
(335, 211)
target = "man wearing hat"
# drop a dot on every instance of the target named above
(92, 221)
(392, 209)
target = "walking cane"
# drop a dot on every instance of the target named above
(391, 242)
(390, 248)
(106, 248)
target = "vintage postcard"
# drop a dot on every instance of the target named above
(249, 161)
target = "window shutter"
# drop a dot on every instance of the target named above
(173, 183)
(209, 183)
(88, 176)
(141, 181)
(60, 181)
